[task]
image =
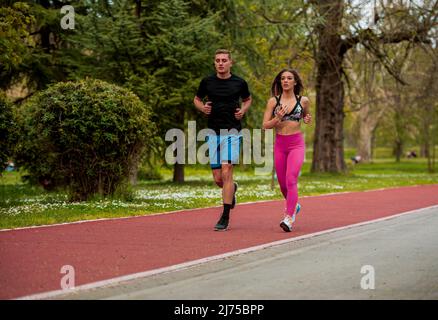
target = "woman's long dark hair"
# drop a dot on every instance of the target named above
(276, 88)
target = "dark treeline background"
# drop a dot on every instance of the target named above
(369, 67)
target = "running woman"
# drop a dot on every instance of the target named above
(227, 99)
(284, 111)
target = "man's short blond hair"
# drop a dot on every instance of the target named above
(223, 51)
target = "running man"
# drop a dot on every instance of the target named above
(227, 100)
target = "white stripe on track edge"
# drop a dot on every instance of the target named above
(197, 209)
(186, 265)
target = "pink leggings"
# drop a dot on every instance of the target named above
(289, 157)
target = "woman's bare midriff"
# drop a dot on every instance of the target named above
(288, 127)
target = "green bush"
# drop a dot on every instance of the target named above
(6, 130)
(86, 136)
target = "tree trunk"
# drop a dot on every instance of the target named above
(431, 159)
(133, 174)
(328, 147)
(373, 144)
(178, 169)
(400, 125)
(368, 121)
(138, 8)
(398, 149)
(178, 173)
(398, 141)
(134, 162)
(364, 143)
(424, 150)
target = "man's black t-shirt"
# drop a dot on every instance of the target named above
(225, 95)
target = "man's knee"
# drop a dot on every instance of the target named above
(217, 176)
(227, 171)
(219, 182)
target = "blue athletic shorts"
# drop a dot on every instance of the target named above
(223, 149)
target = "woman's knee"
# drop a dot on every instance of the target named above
(291, 181)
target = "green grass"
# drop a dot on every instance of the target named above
(22, 205)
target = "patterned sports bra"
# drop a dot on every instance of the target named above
(295, 115)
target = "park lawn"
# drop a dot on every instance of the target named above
(22, 205)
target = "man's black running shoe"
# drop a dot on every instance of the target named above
(222, 224)
(233, 204)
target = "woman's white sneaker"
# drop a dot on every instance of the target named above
(286, 224)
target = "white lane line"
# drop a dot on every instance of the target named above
(139, 293)
(185, 265)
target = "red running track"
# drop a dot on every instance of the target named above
(31, 259)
